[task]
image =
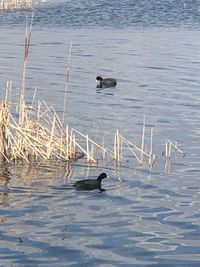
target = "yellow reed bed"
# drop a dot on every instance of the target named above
(18, 4)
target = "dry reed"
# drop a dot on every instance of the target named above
(42, 135)
(18, 4)
(169, 145)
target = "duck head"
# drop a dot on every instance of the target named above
(102, 176)
(99, 80)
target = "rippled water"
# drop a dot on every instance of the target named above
(124, 13)
(145, 217)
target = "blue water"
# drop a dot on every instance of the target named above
(125, 13)
(146, 217)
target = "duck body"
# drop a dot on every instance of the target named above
(90, 184)
(106, 82)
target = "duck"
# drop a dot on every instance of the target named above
(106, 82)
(91, 184)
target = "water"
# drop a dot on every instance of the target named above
(145, 217)
(116, 14)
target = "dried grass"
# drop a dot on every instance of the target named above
(18, 4)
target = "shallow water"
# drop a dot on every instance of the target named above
(145, 217)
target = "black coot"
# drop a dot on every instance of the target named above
(90, 184)
(106, 82)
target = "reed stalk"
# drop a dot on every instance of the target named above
(103, 147)
(49, 148)
(3, 137)
(66, 83)
(27, 41)
(117, 146)
(142, 145)
(34, 97)
(129, 144)
(168, 147)
(93, 142)
(67, 142)
(166, 150)
(88, 151)
(151, 155)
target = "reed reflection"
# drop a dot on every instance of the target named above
(5, 177)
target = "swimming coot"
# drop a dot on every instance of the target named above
(90, 184)
(106, 82)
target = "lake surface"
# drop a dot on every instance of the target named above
(146, 217)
